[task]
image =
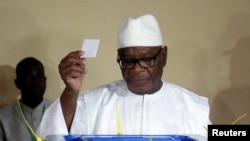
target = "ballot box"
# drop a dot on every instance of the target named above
(125, 138)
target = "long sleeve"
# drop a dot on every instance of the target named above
(53, 121)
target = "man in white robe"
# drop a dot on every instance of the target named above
(140, 104)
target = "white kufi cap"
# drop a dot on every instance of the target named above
(143, 31)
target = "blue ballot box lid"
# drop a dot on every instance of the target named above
(123, 138)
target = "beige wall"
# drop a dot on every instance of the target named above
(208, 41)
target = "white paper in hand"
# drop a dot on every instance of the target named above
(90, 47)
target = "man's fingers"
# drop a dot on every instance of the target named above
(72, 67)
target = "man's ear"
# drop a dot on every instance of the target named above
(165, 55)
(18, 84)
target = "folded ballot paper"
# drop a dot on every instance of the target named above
(125, 138)
(90, 47)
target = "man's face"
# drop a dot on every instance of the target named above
(142, 68)
(32, 82)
